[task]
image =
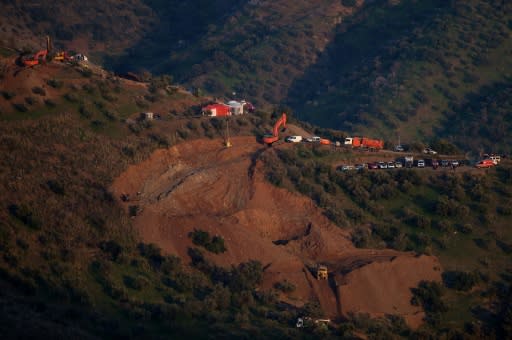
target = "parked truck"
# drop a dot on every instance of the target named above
(364, 143)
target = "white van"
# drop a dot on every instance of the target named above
(293, 139)
(495, 159)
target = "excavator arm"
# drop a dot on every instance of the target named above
(274, 137)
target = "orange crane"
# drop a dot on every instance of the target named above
(269, 139)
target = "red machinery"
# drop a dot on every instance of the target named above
(39, 57)
(269, 139)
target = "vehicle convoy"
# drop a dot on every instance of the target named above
(365, 143)
(273, 137)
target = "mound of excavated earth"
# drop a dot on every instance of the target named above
(203, 185)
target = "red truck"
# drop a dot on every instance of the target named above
(365, 143)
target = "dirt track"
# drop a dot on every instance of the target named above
(202, 185)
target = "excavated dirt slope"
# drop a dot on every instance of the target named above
(203, 185)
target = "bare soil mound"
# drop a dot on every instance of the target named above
(380, 287)
(203, 185)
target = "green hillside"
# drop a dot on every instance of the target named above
(413, 82)
(437, 72)
(462, 216)
(383, 68)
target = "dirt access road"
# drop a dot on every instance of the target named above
(203, 185)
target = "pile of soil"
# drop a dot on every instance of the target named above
(203, 185)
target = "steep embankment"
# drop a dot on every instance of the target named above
(203, 185)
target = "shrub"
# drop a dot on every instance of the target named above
(428, 294)
(86, 72)
(285, 286)
(182, 133)
(57, 84)
(84, 112)
(56, 187)
(202, 238)
(192, 125)
(160, 139)
(30, 100)
(71, 97)
(246, 276)
(216, 245)
(504, 210)
(39, 90)
(20, 107)
(112, 248)
(26, 216)
(133, 210)
(139, 282)
(465, 228)
(8, 95)
(152, 252)
(459, 280)
(49, 103)
(349, 3)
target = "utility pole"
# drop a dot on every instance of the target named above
(227, 141)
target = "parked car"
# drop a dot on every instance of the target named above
(420, 163)
(486, 163)
(445, 163)
(383, 165)
(373, 166)
(399, 148)
(398, 164)
(314, 139)
(391, 165)
(435, 163)
(293, 139)
(454, 163)
(346, 167)
(360, 166)
(429, 151)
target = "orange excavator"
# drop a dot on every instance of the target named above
(39, 57)
(269, 139)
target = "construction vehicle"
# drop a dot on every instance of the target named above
(62, 56)
(39, 57)
(321, 272)
(269, 139)
(365, 143)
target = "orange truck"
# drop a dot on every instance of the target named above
(364, 143)
(273, 137)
